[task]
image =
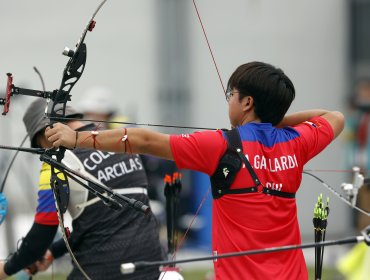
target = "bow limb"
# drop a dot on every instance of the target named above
(2, 187)
(71, 74)
(224, 91)
(209, 46)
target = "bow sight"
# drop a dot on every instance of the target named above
(11, 90)
(71, 75)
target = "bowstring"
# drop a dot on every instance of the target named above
(131, 123)
(209, 46)
(224, 90)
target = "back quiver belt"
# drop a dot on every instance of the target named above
(230, 164)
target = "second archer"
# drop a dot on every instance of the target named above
(101, 238)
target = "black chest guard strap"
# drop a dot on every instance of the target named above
(229, 166)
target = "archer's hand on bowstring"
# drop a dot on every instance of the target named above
(44, 263)
(40, 265)
(31, 269)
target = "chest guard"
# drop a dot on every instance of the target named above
(230, 164)
(78, 199)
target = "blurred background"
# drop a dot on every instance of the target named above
(153, 59)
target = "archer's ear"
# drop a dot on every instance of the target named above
(248, 103)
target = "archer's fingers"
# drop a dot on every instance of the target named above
(31, 269)
(55, 139)
(50, 130)
(59, 141)
(60, 135)
(43, 265)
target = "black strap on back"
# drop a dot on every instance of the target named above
(229, 166)
(235, 143)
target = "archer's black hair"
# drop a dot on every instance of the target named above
(272, 91)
